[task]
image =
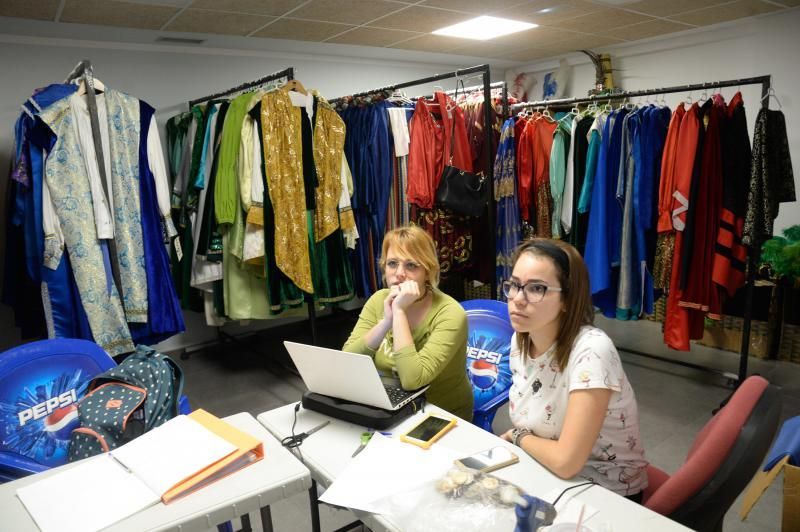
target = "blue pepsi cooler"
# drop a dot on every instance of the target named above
(40, 385)
(488, 350)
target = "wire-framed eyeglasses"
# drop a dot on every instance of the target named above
(408, 266)
(533, 291)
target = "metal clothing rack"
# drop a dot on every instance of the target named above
(485, 73)
(287, 73)
(752, 255)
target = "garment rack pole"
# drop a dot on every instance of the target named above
(287, 73)
(752, 255)
(764, 81)
(485, 72)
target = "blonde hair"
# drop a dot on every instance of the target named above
(574, 280)
(416, 244)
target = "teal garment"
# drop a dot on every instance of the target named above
(558, 170)
(200, 177)
(591, 168)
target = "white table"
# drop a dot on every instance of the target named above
(277, 476)
(328, 451)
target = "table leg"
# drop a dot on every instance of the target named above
(314, 503)
(266, 519)
(245, 518)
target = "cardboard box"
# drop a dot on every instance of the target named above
(791, 493)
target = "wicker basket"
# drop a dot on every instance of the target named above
(790, 343)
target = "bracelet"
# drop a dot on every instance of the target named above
(517, 434)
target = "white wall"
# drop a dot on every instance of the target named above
(755, 47)
(168, 76)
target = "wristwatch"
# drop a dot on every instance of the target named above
(517, 434)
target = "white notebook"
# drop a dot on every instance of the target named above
(105, 489)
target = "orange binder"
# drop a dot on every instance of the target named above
(248, 450)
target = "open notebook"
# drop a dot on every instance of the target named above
(180, 456)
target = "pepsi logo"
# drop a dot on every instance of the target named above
(483, 374)
(60, 423)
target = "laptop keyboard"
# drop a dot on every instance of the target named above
(397, 395)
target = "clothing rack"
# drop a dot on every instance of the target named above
(485, 73)
(752, 255)
(496, 85)
(287, 73)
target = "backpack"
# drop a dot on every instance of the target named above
(126, 401)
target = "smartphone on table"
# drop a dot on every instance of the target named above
(490, 459)
(427, 431)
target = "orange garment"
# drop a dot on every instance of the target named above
(676, 322)
(431, 132)
(542, 197)
(667, 182)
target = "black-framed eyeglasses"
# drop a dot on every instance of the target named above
(408, 266)
(532, 290)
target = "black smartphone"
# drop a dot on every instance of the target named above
(428, 431)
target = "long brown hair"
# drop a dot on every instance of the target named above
(574, 280)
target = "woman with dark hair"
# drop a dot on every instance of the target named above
(412, 329)
(571, 404)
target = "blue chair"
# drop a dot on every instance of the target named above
(488, 349)
(40, 384)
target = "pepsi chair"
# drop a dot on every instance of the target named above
(488, 349)
(40, 386)
(725, 455)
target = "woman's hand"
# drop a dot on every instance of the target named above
(507, 436)
(394, 290)
(408, 293)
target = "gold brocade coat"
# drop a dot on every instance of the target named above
(283, 161)
(328, 148)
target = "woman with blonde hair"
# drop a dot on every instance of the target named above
(412, 329)
(570, 401)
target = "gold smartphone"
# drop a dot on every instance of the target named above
(427, 431)
(490, 459)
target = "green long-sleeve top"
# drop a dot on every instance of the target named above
(437, 357)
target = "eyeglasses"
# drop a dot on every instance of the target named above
(408, 266)
(534, 292)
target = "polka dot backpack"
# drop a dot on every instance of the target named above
(126, 401)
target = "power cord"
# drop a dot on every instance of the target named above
(591, 482)
(293, 442)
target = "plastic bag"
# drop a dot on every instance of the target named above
(462, 499)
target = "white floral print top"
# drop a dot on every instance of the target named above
(538, 401)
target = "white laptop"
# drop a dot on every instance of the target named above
(349, 376)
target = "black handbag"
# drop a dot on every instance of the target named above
(460, 191)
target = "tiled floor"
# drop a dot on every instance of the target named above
(253, 375)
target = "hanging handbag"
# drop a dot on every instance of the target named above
(460, 191)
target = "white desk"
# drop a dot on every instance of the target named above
(328, 452)
(277, 476)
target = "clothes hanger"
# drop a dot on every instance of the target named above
(607, 107)
(98, 86)
(294, 85)
(771, 92)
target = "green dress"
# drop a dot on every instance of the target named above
(437, 357)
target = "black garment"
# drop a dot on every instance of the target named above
(637, 498)
(697, 174)
(771, 177)
(580, 222)
(209, 242)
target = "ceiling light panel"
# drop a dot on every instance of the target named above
(484, 28)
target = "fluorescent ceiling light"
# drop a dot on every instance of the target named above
(484, 28)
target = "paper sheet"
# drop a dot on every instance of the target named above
(92, 495)
(172, 452)
(385, 467)
(569, 506)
